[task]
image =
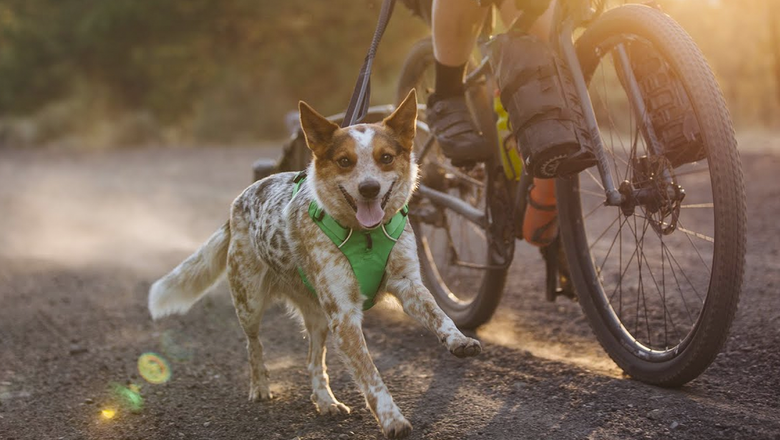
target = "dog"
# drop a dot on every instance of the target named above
(361, 176)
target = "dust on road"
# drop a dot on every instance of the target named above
(83, 235)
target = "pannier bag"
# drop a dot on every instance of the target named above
(545, 113)
(668, 106)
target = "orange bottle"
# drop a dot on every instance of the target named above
(540, 224)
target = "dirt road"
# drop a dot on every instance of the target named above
(82, 236)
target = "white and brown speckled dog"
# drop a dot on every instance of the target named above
(361, 176)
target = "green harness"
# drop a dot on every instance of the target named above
(367, 251)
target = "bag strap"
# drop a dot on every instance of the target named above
(358, 104)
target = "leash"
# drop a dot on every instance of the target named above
(358, 104)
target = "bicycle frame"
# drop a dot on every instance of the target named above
(569, 15)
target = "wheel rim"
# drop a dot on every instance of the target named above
(652, 287)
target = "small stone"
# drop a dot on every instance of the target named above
(654, 414)
(343, 436)
(89, 401)
(674, 425)
(206, 425)
(77, 349)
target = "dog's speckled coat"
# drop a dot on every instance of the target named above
(270, 234)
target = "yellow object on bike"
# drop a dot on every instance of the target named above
(510, 158)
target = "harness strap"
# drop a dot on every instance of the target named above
(367, 251)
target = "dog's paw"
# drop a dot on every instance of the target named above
(257, 394)
(333, 409)
(467, 347)
(398, 428)
(330, 408)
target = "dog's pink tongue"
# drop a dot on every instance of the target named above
(369, 214)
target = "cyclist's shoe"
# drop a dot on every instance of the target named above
(458, 136)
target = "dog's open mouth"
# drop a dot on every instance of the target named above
(369, 213)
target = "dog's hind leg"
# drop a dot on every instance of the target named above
(317, 326)
(250, 290)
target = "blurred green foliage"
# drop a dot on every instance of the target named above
(221, 71)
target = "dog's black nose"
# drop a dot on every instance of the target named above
(369, 188)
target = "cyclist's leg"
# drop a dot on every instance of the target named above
(456, 24)
(540, 29)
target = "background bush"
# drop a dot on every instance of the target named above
(226, 71)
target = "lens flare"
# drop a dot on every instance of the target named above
(108, 413)
(129, 396)
(153, 368)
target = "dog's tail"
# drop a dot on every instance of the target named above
(189, 281)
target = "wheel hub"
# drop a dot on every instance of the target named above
(653, 188)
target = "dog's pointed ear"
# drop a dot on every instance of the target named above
(317, 129)
(403, 121)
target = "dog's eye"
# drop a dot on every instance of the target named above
(344, 162)
(386, 159)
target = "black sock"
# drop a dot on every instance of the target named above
(449, 80)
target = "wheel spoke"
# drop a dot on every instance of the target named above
(658, 288)
(694, 234)
(689, 234)
(595, 208)
(682, 271)
(605, 231)
(593, 193)
(698, 206)
(609, 251)
(589, 173)
(679, 287)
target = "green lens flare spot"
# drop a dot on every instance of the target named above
(153, 368)
(129, 396)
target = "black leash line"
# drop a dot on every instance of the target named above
(358, 104)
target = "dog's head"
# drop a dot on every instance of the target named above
(362, 174)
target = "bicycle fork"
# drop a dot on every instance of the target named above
(614, 197)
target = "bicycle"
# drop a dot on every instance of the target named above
(680, 170)
(662, 307)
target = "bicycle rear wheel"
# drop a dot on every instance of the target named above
(659, 283)
(460, 261)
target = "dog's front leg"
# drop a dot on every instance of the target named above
(348, 335)
(418, 303)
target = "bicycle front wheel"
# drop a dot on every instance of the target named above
(659, 281)
(463, 265)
